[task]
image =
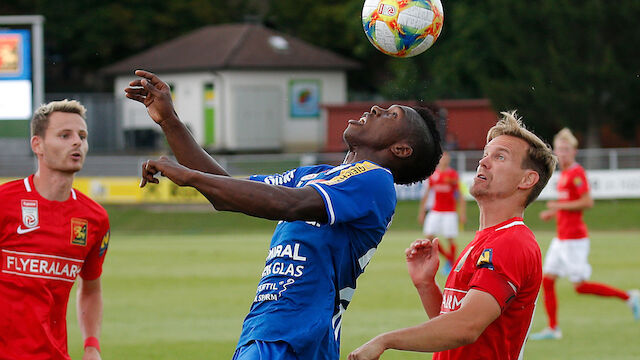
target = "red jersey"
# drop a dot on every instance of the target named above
(571, 186)
(504, 261)
(444, 185)
(44, 246)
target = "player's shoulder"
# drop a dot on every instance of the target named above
(514, 231)
(11, 188)
(576, 169)
(11, 184)
(89, 204)
(364, 168)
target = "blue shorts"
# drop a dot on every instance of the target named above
(265, 350)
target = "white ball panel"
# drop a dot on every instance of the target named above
(415, 17)
(424, 45)
(369, 7)
(385, 37)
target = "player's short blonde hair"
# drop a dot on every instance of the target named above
(40, 120)
(566, 135)
(539, 158)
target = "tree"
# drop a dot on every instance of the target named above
(561, 63)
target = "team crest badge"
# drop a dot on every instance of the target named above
(486, 259)
(105, 243)
(577, 182)
(30, 217)
(79, 230)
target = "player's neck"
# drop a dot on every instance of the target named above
(356, 154)
(53, 185)
(494, 212)
(567, 165)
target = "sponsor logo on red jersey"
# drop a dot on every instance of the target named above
(30, 213)
(105, 243)
(451, 299)
(40, 265)
(79, 229)
(486, 259)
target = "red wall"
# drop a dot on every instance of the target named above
(467, 121)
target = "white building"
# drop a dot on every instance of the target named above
(240, 87)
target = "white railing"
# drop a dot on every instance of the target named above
(17, 165)
(613, 173)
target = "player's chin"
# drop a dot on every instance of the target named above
(74, 167)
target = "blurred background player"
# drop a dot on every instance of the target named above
(330, 219)
(568, 253)
(49, 234)
(486, 307)
(442, 218)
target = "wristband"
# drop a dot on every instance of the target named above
(92, 341)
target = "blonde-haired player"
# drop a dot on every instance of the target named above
(486, 306)
(568, 252)
(51, 234)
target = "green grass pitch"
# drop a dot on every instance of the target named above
(180, 290)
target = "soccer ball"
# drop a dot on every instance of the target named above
(402, 28)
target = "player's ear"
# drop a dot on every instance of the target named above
(529, 180)
(36, 144)
(401, 150)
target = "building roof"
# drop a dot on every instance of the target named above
(232, 46)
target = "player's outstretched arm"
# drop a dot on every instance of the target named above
(249, 197)
(155, 94)
(89, 309)
(584, 202)
(447, 331)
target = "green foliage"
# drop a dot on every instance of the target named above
(83, 36)
(561, 63)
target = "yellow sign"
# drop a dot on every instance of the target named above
(126, 190)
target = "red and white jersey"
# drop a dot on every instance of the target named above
(571, 186)
(44, 246)
(504, 261)
(444, 185)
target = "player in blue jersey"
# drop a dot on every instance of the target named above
(331, 219)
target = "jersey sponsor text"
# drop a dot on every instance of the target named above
(40, 265)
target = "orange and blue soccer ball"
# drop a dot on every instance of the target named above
(402, 28)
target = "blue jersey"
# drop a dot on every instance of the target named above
(311, 269)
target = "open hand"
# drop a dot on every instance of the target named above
(547, 215)
(154, 93)
(423, 261)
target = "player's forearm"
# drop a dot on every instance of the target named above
(187, 150)
(431, 298)
(583, 203)
(444, 332)
(89, 308)
(259, 199)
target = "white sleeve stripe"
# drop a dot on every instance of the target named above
(510, 225)
(27, 185)
(332, 216)
(364, 260)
